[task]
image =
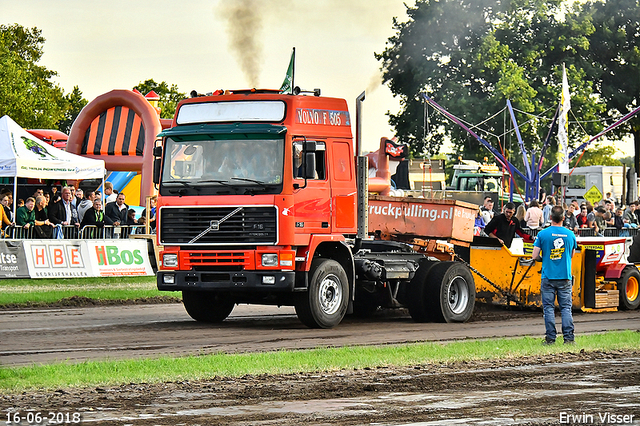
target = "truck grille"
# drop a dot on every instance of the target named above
(243, 225)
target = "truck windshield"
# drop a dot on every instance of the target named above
(219, 164)
(489, 183)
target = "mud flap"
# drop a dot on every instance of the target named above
(589, 279)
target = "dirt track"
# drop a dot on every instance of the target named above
(77, 334)
(520, 391)
(530, 391)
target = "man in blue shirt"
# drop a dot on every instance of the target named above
(555, 246)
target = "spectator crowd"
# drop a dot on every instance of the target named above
(55, 211)
(583, 218)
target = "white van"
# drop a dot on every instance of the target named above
(605, 178)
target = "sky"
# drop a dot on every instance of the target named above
(206, 45)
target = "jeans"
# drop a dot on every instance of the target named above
(549, 289)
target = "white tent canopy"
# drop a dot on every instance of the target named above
(23, 155)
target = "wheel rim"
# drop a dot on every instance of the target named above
(330, 294)
(632, 289)
(458, 295)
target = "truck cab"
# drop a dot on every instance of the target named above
(253, 186)
(473, 181)
(259, 203)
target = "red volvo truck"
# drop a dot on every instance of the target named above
(262, 199)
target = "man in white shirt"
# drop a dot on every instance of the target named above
(64, 212)
(110, 196)
(487, 210)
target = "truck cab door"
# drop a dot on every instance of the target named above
(312, 196)
(344, 198)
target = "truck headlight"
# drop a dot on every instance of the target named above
(270, 259)
(170, 260)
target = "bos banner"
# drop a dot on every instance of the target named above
(115, 258)
(85, 258)
(13, 263)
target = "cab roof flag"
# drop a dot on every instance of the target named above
(287, 84)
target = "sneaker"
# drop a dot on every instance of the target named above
(548, 342)
(569, 342)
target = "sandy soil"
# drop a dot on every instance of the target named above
(527, 391)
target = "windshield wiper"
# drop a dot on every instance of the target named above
(181, 191)
(259, 182)
(221, 182)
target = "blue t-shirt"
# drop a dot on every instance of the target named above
(556, 244)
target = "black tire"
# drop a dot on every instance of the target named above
(365, 303)
(325, 303)
(451, 292)
(206, 306)
(629, 286)
(418, 305)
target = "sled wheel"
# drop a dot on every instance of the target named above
(629, 288)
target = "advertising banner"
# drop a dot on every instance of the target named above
(443, 219)
(12, 260)
(116, 258)
(74, 258)
(57, 259)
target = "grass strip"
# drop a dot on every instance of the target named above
(44, 282)
(23, 292)
(199, 367)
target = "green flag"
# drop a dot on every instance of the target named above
(287, 84)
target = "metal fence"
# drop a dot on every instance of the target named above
(591, 232)
(70, 232)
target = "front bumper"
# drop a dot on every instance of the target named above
(230, 281)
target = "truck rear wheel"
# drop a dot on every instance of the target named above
(451, 292)
(207, 307)
(325, 303)
(418, 302)
(366, 303)
(629, 288)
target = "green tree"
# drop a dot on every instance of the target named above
(75, 103)
(472, 57)
(27, 93)
(613, 60)
(627, 161)
(169, 96)
(596, 156)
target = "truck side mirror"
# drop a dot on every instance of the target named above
(157, 163)
(310, 165)
(157, 151)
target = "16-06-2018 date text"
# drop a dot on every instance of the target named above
(17, 418)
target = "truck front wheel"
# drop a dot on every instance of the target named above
(207, 307)
(451, 292)
(325, 303)
(629, 288)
